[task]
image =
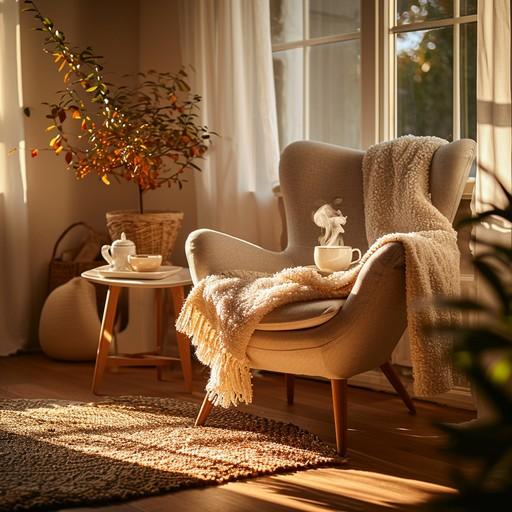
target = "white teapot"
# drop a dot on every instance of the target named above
(117, 253)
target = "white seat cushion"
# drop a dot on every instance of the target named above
(300, 315)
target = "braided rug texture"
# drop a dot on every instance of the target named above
(57, 453)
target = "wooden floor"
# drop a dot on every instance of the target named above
(395, 461)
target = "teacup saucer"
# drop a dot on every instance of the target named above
(322, 272)
(163, 272)
(329, 272)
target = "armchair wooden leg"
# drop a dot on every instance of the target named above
(205, 410)
(339, 403)
(395, 381)
(290, 387)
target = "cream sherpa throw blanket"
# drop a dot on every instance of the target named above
(222, 311)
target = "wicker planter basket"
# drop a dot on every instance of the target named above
(151, 232)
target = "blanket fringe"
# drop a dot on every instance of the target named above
(230, 378)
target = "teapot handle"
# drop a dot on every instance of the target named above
(105, 252)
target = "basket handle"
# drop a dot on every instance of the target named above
(66, 231)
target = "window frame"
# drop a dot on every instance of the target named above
(306, 43)
(378, 67)
(389, 128)
(387, 88)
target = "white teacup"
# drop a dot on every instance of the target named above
(145, 262)
(334, 258)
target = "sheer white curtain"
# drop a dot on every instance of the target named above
(228, 44)
(494, 111)
(494, 120)
(14, 267)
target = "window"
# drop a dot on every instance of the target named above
(316, 54)
(435, 68)
(415, 60)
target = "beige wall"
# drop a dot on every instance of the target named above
(131, 35)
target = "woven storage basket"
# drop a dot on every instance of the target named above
(61, 272)
(151, 232)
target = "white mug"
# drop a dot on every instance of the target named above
(334, 258)
(117, 253)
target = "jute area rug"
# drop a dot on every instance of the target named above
(58, 453)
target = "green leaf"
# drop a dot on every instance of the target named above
(496, 247)
(495, 212)
(494, 393)
(504, 189)
(493, 278)
(468, 440)
(462, 304)
(482, 339)
(501, 371)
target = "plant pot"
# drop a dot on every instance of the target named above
(151, 232)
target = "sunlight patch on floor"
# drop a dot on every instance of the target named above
(333, 488)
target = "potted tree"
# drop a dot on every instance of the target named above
(147, 134)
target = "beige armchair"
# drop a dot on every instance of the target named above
(335, 339)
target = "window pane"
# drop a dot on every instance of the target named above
(334, 93)
(413, 11)
(288, 81)
(468, 80)
(468, 83)
(468, 7)
(328, 17)
(425, 82)
(286, 20)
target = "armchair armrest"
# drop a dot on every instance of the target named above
(359, 338)
(210, 252)
(374, 316)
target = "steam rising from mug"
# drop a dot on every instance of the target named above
(331, 221)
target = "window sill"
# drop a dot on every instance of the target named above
(468, 189)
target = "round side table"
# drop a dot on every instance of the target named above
(176, 284)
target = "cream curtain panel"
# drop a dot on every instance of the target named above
(494, 132)
(494, 112)
(228, 44)
(14, 257)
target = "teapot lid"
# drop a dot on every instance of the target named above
(122, 241)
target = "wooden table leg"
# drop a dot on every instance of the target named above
(159, 292)
(106, 336)
(178, 297)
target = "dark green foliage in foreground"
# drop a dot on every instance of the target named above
(484, 353)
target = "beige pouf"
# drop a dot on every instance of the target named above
(69, 326)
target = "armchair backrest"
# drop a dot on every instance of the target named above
(314, 173)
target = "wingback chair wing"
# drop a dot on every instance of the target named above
(334, 339)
